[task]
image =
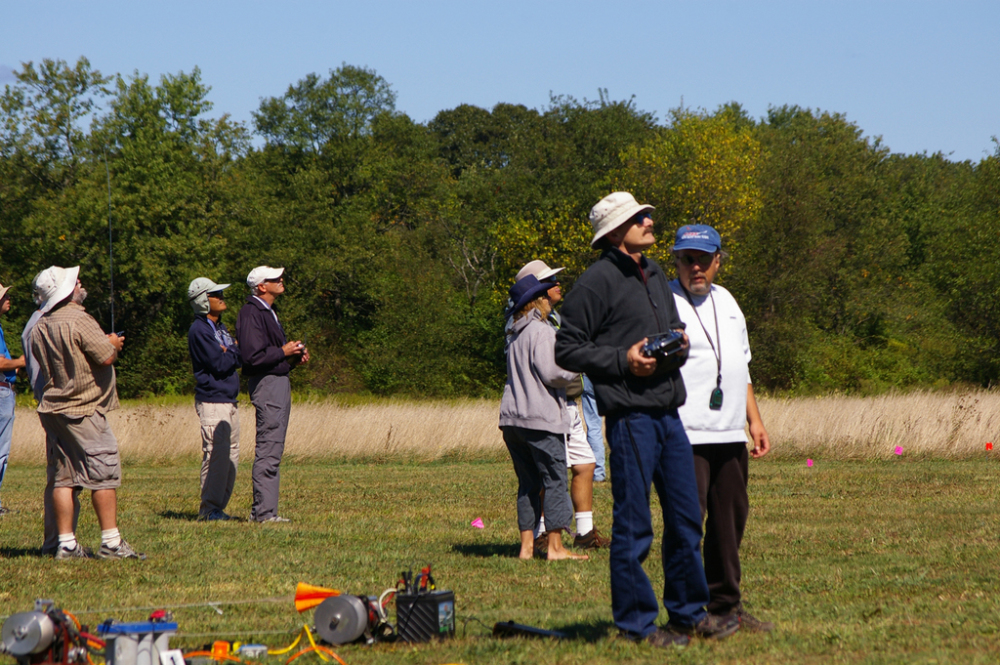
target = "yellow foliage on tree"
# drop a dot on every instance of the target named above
(561, 239)
(700, 170)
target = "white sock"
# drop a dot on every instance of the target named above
(67, 541)
(585, 522)
(541, 527)
(111, 538)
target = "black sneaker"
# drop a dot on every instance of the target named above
(667, 637)
(711, 627)
(123, 551)
(78, 552)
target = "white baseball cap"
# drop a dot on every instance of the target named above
(612, 211)
(55, 284)
(539, 269)
(261, 274)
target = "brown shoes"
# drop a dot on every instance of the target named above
(751, 623)
(711, 627)
(590, 541)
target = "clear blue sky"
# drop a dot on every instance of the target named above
(925, 76)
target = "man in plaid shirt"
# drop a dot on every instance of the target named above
(76, 357)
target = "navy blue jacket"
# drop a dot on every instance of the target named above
(261, 338)
(215, 375)
(612, 306)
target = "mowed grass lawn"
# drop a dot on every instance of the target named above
(856, 561)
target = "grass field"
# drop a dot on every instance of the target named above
(877, 560)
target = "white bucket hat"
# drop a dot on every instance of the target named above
(55, 284)
(612, 211)
(261, 274)
(539, 269)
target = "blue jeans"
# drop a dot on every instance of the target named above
(653, 448)
(595, 437)
(6, 427)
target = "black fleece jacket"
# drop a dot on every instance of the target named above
(612, 306)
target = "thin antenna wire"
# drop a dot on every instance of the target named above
(111, 252)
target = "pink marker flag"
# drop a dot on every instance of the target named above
(478, 523)
(809, 462)
(899, 450)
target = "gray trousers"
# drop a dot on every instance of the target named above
(220, 454)
(272, 398)
(540, 463)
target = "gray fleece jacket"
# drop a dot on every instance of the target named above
(534, 397)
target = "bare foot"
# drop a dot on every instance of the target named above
(565, 554)
(527, 555)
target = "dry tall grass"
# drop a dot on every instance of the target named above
(398, 430)
(940, 424)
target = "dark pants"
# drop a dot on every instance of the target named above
(540, 464)
(653, 448)
(272, 398)
(722, 491)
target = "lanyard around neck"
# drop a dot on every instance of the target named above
(716, 353)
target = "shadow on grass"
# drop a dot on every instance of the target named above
(17, 552)
(591, 631)
(186, 515)
(488, 550)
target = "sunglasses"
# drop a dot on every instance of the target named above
(217, 295)
(703, 260)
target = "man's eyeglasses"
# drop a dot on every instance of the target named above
(217, 295)
(275, 280)
(703, 260)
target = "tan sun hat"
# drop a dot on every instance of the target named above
(3, 291)
(55, 284)
(612, 211)
(539, 269)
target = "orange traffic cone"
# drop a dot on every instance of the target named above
(308, 596)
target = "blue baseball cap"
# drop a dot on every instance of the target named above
(525, 290)
(697, 236)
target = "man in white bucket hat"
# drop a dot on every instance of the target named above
(77, 359)
(616, 304)
(50, 542)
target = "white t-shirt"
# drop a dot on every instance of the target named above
(702, 424)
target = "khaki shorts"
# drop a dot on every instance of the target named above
(578, 450)
(82, 451)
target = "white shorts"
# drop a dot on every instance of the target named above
(578, 450)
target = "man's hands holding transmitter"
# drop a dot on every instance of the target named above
(296, 351)
(641, 365)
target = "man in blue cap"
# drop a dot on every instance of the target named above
(8, 374)
(719, 404)
(620, 301)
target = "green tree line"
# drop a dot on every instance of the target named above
(858, 269)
